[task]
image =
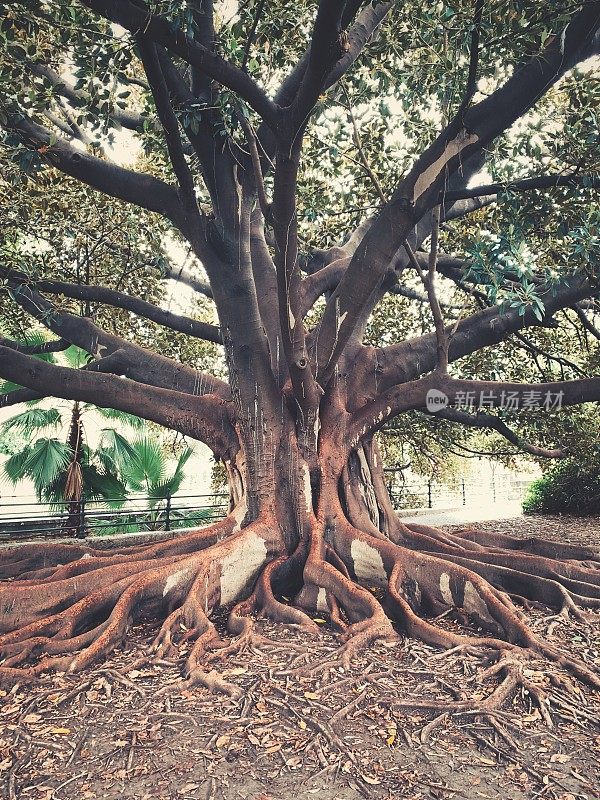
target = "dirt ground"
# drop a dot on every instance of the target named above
(335, 735)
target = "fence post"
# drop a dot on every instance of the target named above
(429, 503)
(81, 515)
(464, 494)
(168, 513)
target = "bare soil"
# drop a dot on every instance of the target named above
(336, 735)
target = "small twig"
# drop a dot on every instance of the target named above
(67, 782)
(252, 33)
(473, 57)
(250, 135)
(131, 752)
(12, 777)
(78, 747)
(343, 712)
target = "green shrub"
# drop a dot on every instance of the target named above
(569, 487)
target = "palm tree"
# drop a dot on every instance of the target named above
(147, 472)
(66, 470)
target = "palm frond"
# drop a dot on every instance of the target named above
(137, 423)
(48, 457)
(149, 466)
(102, 486)
(32, 421)
(116, 453)
(160, 490)
(14, 466)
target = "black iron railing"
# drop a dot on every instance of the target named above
(455, 493)
(26, 519)
(22, 518)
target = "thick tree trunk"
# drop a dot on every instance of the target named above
(322, 537)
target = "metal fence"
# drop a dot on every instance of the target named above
(27, 519)
(22, 518)
(458, 492)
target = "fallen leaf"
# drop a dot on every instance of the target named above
(370, 779)
(392, 732)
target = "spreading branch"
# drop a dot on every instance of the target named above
(111, 297)
(525, 185)
(160, 93)
(66, 88)
(406, 360)
(57, 346)
(125, 184)
(136, 362)
(473, 55)
(493, 394)
(204, 418)
(419, 191)
(491, 422)
(139, 20)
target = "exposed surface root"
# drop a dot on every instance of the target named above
(369, 587)
(78, 619)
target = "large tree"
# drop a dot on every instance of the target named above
(242, 120)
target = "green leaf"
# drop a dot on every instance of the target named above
(47, 459)
(119, 416)
(32, 421)
(148, 466)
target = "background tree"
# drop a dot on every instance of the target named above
(66, 468)
(258, 164)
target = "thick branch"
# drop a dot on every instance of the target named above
(135, 362)
(525, 185)
(471, 393)
(139, 20)
(35, 349)
(185, 277)
(325, 50)
(587, 323)
(203, 418)
(170, 126)
(406, 360)
(110, 297)
(367, 22)
(132, 187)
(19, 396)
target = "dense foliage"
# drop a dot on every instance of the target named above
(569, 487)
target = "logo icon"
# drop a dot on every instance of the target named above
(436, 401)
